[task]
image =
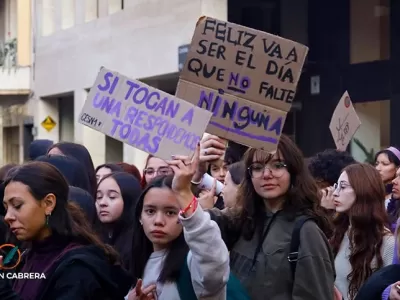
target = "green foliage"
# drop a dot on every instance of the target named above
(369, 154)
(8, 53)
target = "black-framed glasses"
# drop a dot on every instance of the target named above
(161, 171)
(340, 186)
(276, 169)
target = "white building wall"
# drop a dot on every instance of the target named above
(139, 41)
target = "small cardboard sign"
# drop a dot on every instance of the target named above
(344, 123)
(246, 77)
(143, 117)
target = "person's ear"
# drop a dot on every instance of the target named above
(49, 203)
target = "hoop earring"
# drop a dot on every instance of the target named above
(47, 219)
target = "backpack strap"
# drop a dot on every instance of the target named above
(295, 243)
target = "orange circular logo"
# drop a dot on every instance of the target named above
(11, 256)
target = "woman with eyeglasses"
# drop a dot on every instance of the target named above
(155, 167)
(362, 242)
(275, 233)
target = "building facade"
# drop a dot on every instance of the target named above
(138, 38)
(15, 80)
(354, 45)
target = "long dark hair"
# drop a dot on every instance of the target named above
(73, 171)
(368, 221)
(301, 199)
(122, 229)
(67, 219)
(80, 153)
(85, 201)
(142, 247)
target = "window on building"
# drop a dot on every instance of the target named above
(2, 21)
(67, 14)
(115, 6)
(91, 10)
(369, 30)
(47, 19)
(262, 15)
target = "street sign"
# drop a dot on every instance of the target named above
(48, 124)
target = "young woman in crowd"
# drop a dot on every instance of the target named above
(218, 169)
(387, 162)
(276, 194)
(216, 158)
(362, 242)
(154, 167)
(106, 169)
(234, 176)
(392, 292)
(171, 230)
(115, 203)
(63, 247)
(72, 169)
(81, 154)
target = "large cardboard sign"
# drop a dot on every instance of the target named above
(143, 117)
(344, 123)
(245, 77)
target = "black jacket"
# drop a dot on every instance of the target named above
(373, 288)
(81, 274)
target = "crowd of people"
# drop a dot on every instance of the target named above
(282, 227)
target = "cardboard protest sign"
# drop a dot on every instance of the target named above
(344, 123)
(143, 117)
(245, 77)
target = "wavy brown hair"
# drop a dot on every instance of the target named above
(301, 199)
(368, 220)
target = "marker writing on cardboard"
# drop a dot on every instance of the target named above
(242, 116)
(237, 83)
(139, 126)
(92, 121)
(142, 129)
(342, 130)
(278, 67)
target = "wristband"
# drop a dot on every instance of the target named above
(197, 183)
(192, 204)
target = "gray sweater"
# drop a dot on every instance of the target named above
(208, 261)
(343, 266)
